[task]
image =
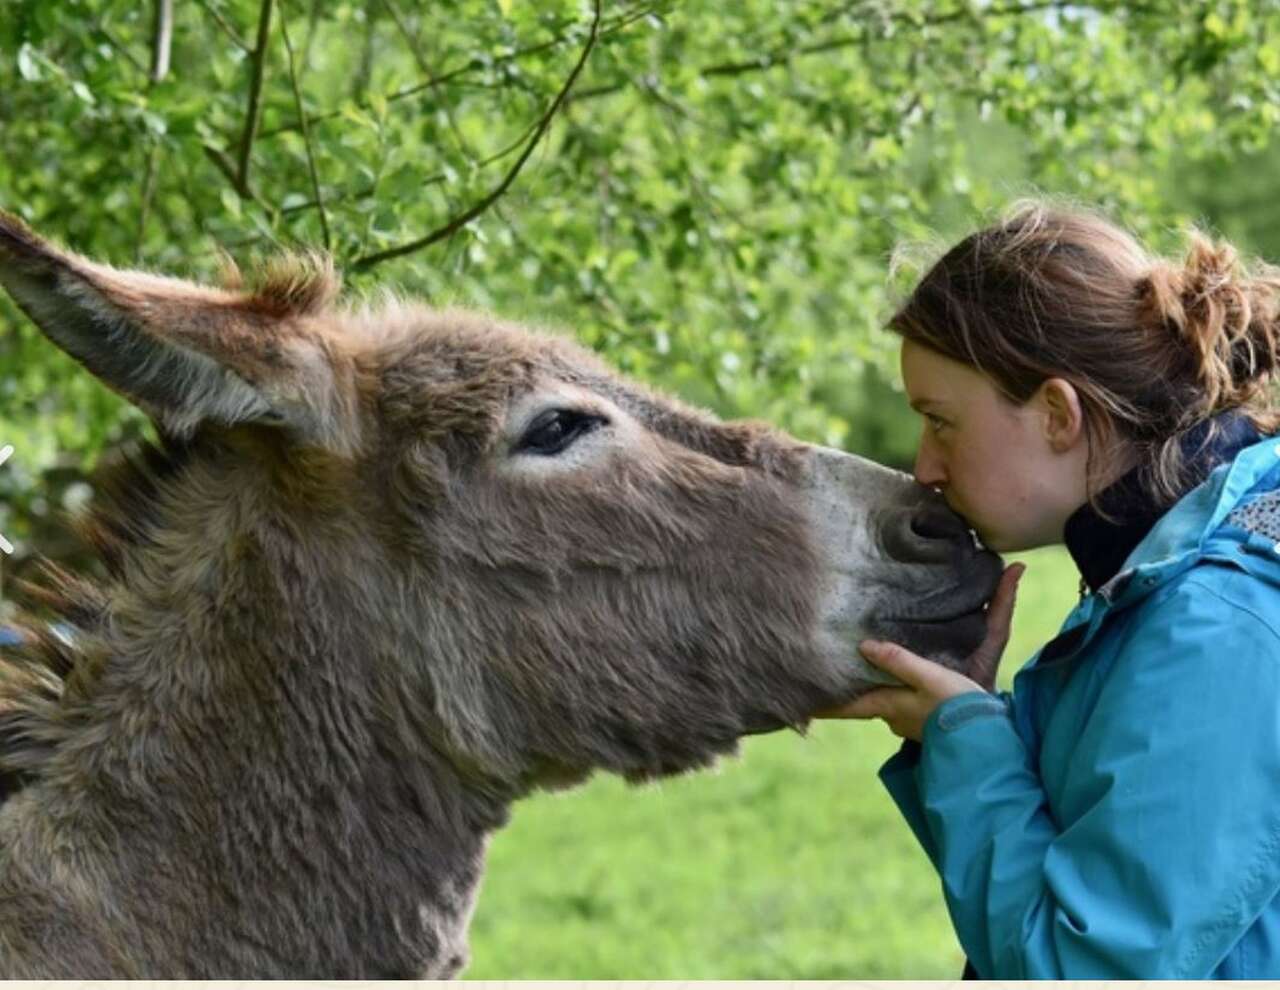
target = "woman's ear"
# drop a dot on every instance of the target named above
(1064, 415)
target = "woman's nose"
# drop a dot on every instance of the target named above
(929, 469)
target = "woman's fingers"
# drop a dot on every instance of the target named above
(878, 703)
(985, 660)
(1000, 609)
(896, 660)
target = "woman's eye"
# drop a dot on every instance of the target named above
(552, 431)
(934, 422)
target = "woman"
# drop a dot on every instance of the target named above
(1118, 814)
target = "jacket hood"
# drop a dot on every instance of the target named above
(1233, 516)
(1102, 533)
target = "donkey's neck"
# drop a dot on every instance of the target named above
(266, 804)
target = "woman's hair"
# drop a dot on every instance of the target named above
(1154, 348)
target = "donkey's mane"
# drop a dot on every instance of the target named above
(62, 651)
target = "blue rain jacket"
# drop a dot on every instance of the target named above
(1118, 815)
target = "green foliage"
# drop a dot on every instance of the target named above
(712, 208)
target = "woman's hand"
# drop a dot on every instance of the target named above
(928, 684)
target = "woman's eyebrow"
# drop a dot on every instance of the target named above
(921, 404)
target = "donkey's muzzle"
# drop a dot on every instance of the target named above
(935, 521)
(926, 533)
(900, 564)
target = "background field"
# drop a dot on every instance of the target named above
(788, 863)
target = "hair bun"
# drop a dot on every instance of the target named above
(1226, 315)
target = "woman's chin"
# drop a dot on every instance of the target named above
(1007, 543)
(991, 538)
(998, 541)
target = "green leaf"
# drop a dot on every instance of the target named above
(230, 201)
(27, 67)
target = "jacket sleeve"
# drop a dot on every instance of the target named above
(1171, 800)
(901, 772)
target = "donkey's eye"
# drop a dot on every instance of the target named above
(553, 431)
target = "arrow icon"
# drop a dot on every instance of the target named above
(5, 453)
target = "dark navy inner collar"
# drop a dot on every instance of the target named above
(1100, 546)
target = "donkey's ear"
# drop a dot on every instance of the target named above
(184, 353)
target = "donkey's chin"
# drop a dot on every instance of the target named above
(946, 641)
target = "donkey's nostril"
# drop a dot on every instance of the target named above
(929, 533)
(937, 522)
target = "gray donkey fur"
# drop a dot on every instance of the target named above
(390, 570)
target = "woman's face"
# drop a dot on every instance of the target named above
(1004, 467)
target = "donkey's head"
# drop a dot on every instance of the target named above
(558, 570)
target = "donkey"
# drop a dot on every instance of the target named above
(388, 570)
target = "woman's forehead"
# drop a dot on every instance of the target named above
(930, 377)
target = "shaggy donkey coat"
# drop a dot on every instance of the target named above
(388, 571)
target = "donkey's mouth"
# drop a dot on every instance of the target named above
(957, 622)
(969, 596)
(940, 622)
(975, 620)
(945, 640)
(963, 605)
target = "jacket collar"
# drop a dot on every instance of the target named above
(1100, 546)
(1177, 541)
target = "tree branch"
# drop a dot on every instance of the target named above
(672, 112)
(119, 47)
(467, 216)
(222, 22)
(306, 133)
(785, 52)
(313, 18)
(228, 168)
(161, 45)
(471, 67)
(416, 50)
(255, 95)
(364, 69)
(148, 191)
(161, 39)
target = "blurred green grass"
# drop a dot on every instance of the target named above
(788, 863)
